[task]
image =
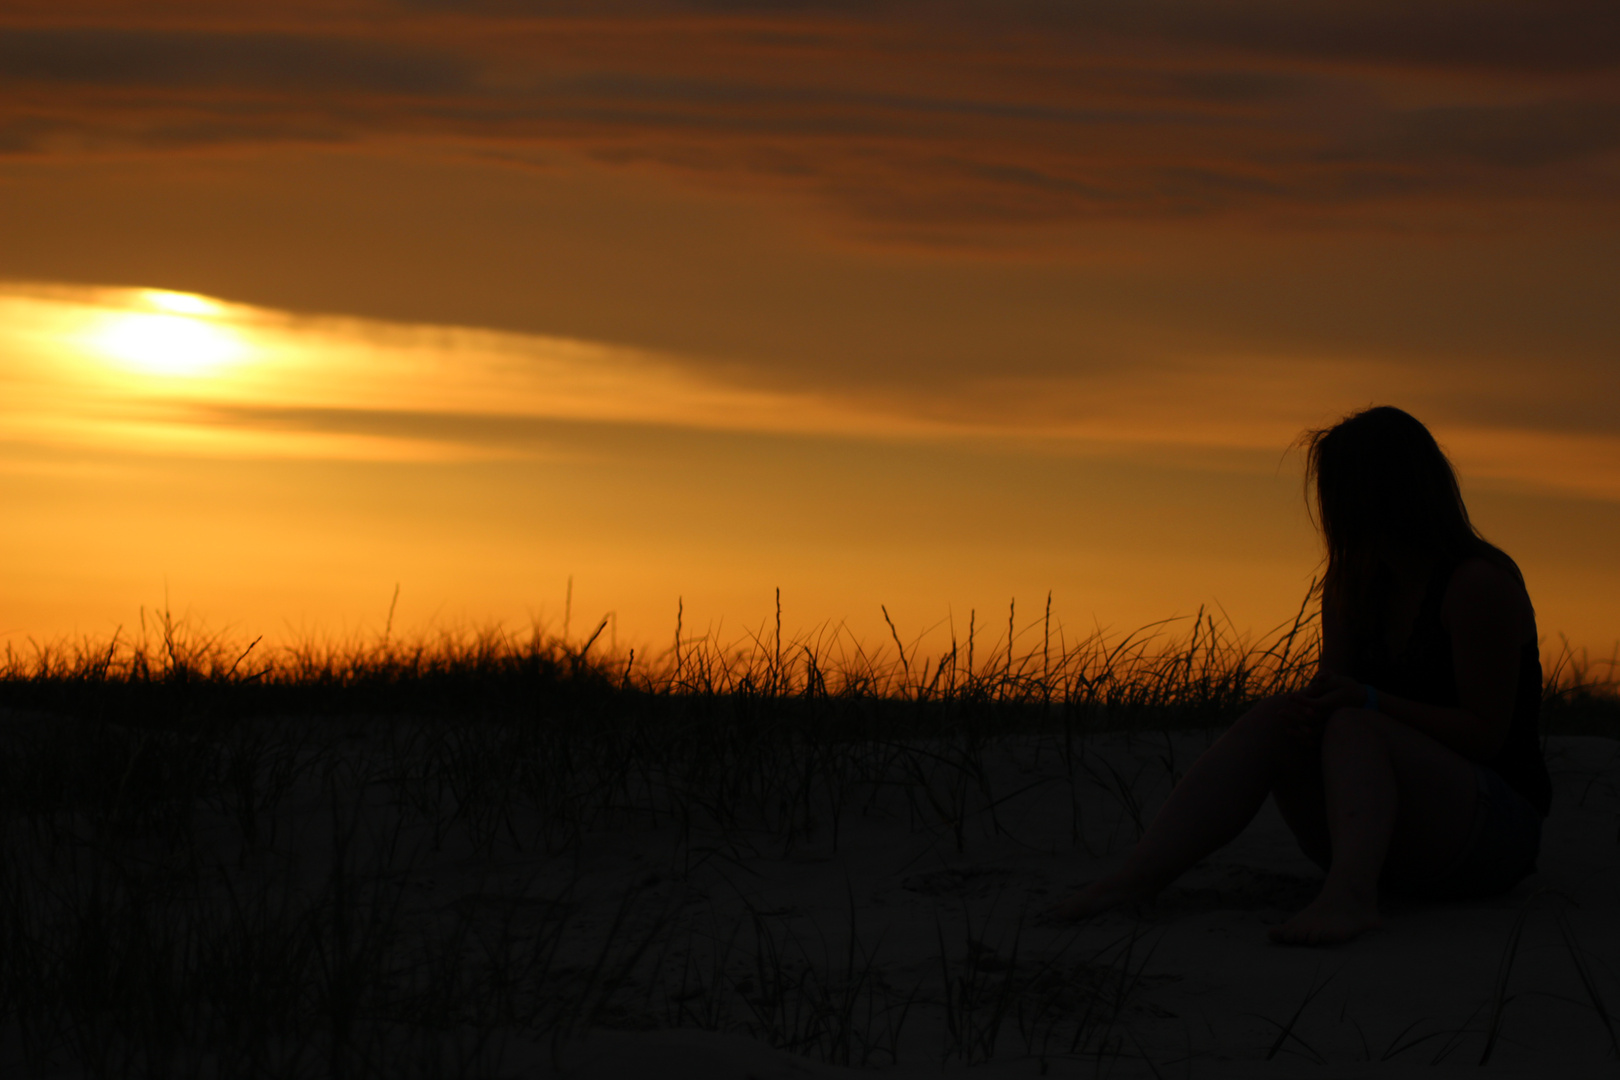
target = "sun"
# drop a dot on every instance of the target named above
(176, 336)
(181, 303)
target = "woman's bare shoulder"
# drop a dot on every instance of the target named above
(1482, 591)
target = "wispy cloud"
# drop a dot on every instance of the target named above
(903, 119)
(120, 369)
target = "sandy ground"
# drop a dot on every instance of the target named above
(952, 969)
(1210, 996)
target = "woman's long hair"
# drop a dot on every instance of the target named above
(1383, 484)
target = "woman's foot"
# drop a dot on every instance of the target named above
(1329, 920)
(1099, 897)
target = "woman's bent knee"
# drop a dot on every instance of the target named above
(1280, 725)
(1281, 711)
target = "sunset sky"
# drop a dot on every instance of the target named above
(925, 305)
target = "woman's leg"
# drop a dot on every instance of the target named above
(1220, 795)
(1302, 802)
(1393, 796)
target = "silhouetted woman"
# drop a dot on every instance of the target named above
(1411, 759)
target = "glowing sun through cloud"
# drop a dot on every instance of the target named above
(177, 339)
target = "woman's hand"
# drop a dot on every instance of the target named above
(1327, 693)
(1302, 719)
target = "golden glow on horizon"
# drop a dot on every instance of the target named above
(99, 386)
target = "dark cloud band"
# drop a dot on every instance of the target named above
(1023, 114)
(193, 60)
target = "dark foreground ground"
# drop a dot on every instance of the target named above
(555, 873)
(367, 918)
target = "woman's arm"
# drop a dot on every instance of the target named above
(1489, 618)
